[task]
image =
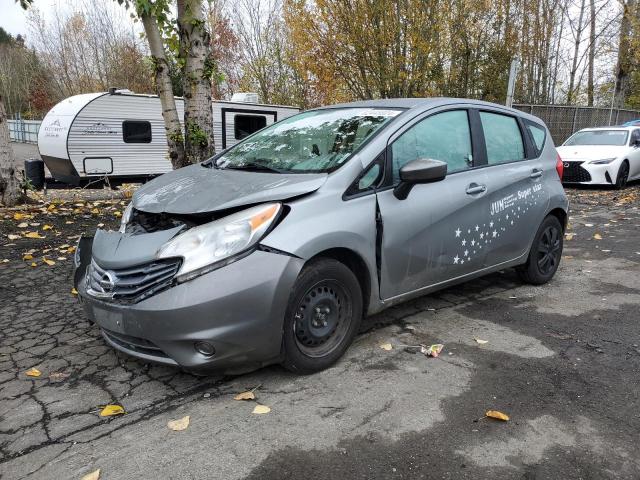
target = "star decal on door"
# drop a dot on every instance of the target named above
(504, 214)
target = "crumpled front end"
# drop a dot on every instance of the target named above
(228, 318)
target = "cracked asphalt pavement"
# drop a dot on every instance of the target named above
(563, 360)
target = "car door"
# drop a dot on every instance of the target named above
(634, 154)
(435, 234)
(515, 176)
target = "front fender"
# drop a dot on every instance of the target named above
(319, 223)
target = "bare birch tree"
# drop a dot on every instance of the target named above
(199, 68)
(150, 14)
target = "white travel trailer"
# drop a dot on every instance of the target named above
(121, 135)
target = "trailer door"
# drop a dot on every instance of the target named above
(239, 123)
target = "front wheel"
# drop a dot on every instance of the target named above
(623, 176)
(323, 316)
(546, 251)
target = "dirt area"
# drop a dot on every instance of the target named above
(561, 359)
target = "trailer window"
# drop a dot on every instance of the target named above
(245, 125)
(136, 131)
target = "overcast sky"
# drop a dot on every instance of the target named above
(14, 19)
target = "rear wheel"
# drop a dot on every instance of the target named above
(623, 176)
(323, 316)
(546, 251)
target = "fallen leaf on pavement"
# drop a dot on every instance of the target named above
(27, 256)
(588, 224)
(178, 425)
(74, 291)
(432, 350)
(497, 415)
(95, 475)
(597, 236)
(47, 227)
(33, 264)
(386, 346)
(23, 225)
(245, 396)
(19, 216)
(33, 235)
(110, 410)
(33, 372)
(569, 236)
(11, 236)
(481, 342)
(48, 262)
(261, 409)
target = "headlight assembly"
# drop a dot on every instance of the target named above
(126, 217)
(604, 161)
(202, 247)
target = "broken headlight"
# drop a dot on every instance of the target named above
(126, 217)
(203, 247)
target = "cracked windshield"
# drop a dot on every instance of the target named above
(316, 141)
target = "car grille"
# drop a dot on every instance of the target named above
(574, 172)
(136, 344)
(132, 284)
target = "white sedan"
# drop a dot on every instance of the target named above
(602, 156)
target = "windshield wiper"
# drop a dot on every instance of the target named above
(254, 167)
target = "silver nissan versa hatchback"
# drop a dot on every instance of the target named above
(275, 249)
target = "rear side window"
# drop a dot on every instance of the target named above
(444, 136)
(538, 135)
(245, 125)
(502, 137)
(136, 131)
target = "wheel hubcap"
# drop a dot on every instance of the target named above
(549, 250)
(321, 318)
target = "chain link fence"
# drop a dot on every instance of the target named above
(24, 131)
(564, 120)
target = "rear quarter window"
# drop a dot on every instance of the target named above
(538, 135)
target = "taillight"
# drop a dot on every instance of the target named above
(559, 167)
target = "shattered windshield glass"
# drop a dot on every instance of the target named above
(315, 141)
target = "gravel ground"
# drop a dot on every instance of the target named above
(562, 360)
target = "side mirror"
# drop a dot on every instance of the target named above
(421, 170)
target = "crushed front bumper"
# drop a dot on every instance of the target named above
(238, 309)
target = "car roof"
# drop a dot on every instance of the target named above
(613, 127)
(422, 103)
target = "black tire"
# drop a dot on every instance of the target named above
(623, 176)
(545, 254)
(323, 316)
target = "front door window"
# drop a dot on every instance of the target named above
(444, 136)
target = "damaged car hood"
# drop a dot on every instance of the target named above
(196, 189)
